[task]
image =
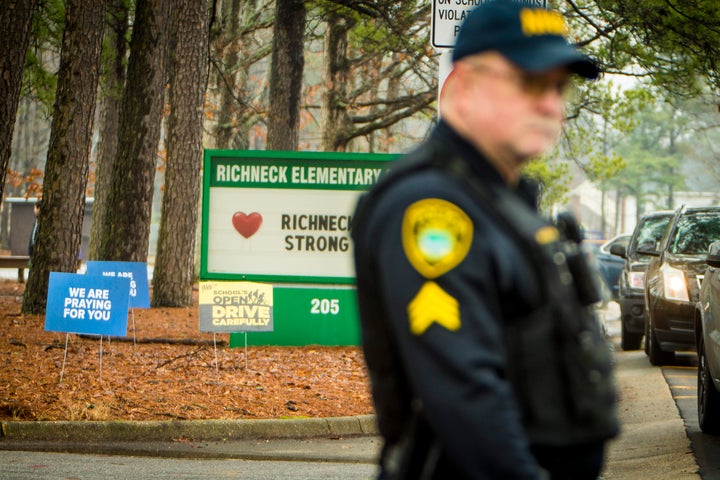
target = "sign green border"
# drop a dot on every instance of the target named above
(261, 157)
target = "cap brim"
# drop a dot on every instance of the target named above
(546, 54)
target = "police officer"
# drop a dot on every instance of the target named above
(484, 357)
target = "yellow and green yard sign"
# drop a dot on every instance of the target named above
(285, 218)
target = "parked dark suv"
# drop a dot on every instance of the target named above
(631, 285)
(672, 281)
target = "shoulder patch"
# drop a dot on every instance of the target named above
(436, 236)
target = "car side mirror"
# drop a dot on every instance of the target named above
(648, 249)
(713, 255)
(619, 250)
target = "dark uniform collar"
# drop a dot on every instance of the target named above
(449, 139)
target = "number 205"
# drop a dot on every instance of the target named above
(324, 306)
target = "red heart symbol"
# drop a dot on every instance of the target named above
(247, 225)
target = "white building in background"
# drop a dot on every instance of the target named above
(585, 201)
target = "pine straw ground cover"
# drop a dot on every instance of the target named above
(169, 372)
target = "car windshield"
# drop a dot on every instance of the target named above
(695, 233)
(651, 231)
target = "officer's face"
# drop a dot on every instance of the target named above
(509, 113)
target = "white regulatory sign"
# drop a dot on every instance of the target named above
(448, 15)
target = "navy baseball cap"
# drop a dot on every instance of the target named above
(532, 38)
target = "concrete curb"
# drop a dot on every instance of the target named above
(207, 430)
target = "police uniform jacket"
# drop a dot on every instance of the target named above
(447, 279)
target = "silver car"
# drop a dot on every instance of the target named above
(707, 338)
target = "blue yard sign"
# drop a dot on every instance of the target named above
(135, 271)
(93, 305)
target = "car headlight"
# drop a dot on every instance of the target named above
(636, 280)
(675, 287)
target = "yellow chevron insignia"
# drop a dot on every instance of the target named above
(431, 305)
(546, 235)
(436, 236)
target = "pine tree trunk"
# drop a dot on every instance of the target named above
(335, 75)
(126, 228)
(286, 75)
(60, 220)
(174, 266)
(387, 135)
(15, 21)
(227, 79)
(114, 81)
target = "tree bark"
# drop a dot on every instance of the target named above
(335, 120)
(227, 78)
(286, 75)
(111, 91)
(126, 229)
(15, 22)
(174, 266)
(60, 220)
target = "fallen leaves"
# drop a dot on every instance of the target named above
(171, 371)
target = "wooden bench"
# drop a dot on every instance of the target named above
(15, 261)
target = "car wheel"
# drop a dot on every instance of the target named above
(629, 340)
(656, 354)
(708, 397)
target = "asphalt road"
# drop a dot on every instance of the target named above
(35, 466)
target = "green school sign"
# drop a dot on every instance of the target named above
(285, 218)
